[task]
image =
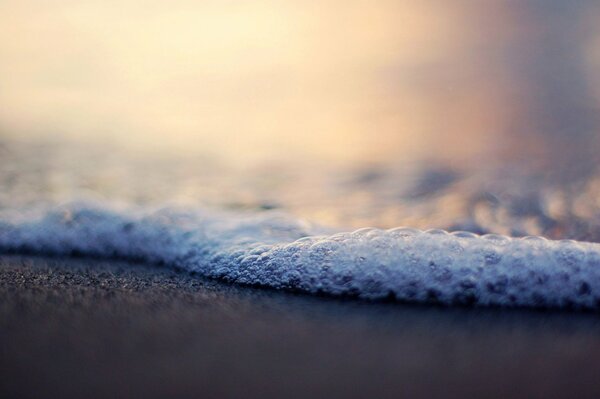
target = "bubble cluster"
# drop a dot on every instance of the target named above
(274, 250)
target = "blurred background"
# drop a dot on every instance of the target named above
(469, 115)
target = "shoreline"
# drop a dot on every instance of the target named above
(81, 327)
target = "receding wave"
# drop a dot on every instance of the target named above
(271, 249)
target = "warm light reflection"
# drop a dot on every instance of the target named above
(269, 80)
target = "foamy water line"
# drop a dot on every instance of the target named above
(274, 250)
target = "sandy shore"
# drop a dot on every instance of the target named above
(82, 328)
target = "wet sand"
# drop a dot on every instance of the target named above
(82, 328)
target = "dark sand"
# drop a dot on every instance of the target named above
(82, 328)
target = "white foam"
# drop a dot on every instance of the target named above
(274, 250)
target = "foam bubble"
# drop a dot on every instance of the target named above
(274, 250)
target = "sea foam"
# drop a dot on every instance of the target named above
(271, 249)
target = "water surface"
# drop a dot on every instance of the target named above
(306, 119)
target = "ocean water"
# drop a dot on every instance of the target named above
(216, 139)
(54, 203)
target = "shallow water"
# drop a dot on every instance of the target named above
(214, 146)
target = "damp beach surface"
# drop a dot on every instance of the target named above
(83, 328)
